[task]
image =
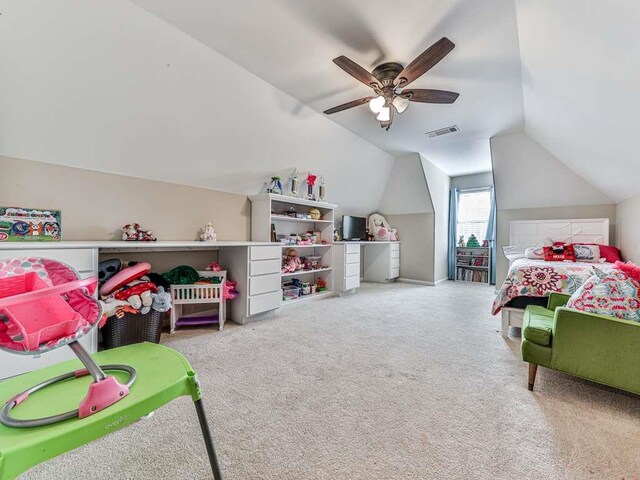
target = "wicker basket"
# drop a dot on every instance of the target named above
(132, 328)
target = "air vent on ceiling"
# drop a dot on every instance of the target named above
(443, 131)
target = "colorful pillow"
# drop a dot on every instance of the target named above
(559, 253)
(610, 254)
(587, 253)
(614, 293)
(534, 253)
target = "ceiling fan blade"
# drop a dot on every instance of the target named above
(356, 71)
(429, 96)
(345, 106)
(424, 62)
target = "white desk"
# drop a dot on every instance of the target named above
(254, 265)
(381, 262)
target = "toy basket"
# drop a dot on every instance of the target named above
(132, 328)
(290, 293)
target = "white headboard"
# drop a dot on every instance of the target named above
(584, 230)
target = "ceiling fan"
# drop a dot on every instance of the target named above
(388, 81)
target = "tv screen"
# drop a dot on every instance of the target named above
(354, 228)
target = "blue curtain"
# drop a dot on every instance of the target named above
(491, 236)
(453, 227)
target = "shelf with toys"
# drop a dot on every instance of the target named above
(473, 261)
(304, 228)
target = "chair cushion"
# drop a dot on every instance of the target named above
(538, 325)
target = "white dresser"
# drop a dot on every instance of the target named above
(85, 261)
(381, 262)
(347, 266)
(257, 271)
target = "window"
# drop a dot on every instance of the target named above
(473, 214)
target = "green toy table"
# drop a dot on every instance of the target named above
(163, 375)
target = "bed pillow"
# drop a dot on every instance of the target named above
(534, 253)
(587, 253)
(613, 293)
(559, 253)
(514, 252)
(610, 253)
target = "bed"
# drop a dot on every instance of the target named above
(531, 281)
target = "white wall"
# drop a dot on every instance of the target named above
(439, 187)
(478, 180)
(526, 175)
(407, 205)
(580, 70)
(628, 228)
(108, 86)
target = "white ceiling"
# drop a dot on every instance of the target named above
(581, 65)
(290, 44)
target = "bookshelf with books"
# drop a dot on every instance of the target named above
(473, 264)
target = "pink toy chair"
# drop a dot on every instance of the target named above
(43, 306)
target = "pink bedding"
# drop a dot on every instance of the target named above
(538, 278)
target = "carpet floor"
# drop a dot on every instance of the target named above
(395, 382)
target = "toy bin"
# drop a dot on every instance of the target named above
(132, 328)
(313, 262)
(290, 293)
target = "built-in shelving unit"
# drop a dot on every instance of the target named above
(290, 216)
(473, 264)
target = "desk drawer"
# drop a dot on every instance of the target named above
(395, 253)
(352, 269)
(265, 253)
(394, 273)
(264, 267)
(352, 248)
(352, 258)
(81, 259)
(264, 284)
(352, 282)
(395, 247)
(265, 302)
(394, 263)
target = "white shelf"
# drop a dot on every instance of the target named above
(293, 200)
(311, 296)
(306, 272)
(479, 267)
(284, 218)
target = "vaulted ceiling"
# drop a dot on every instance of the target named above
(136, 86)
(290, 44)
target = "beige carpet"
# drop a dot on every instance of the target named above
(395, 382)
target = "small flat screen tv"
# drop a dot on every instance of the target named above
(354, 228)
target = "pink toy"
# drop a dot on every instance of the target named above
(45, 305)
(214, 267)
(124, 276)
(291, 262)
(229, 291)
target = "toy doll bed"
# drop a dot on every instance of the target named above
(532, 281)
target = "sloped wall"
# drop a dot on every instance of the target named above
(531, 184)
(110, 87)
(439, 185)
(407, 205)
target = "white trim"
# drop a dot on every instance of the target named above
(421, 282)
(511, 317)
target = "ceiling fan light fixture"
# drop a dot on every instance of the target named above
(400, 103)
(384, 115)
(376, 104)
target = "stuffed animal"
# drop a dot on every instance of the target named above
(379, 227)
(315, 214)
(291, 262)
(161, 300)
(208, 233)
(133, 232)
(138, 294)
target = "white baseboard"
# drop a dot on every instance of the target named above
(421, 282)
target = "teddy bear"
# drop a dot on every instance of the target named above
(381, 230)
(161, 300)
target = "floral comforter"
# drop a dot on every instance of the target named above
(538, 278)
